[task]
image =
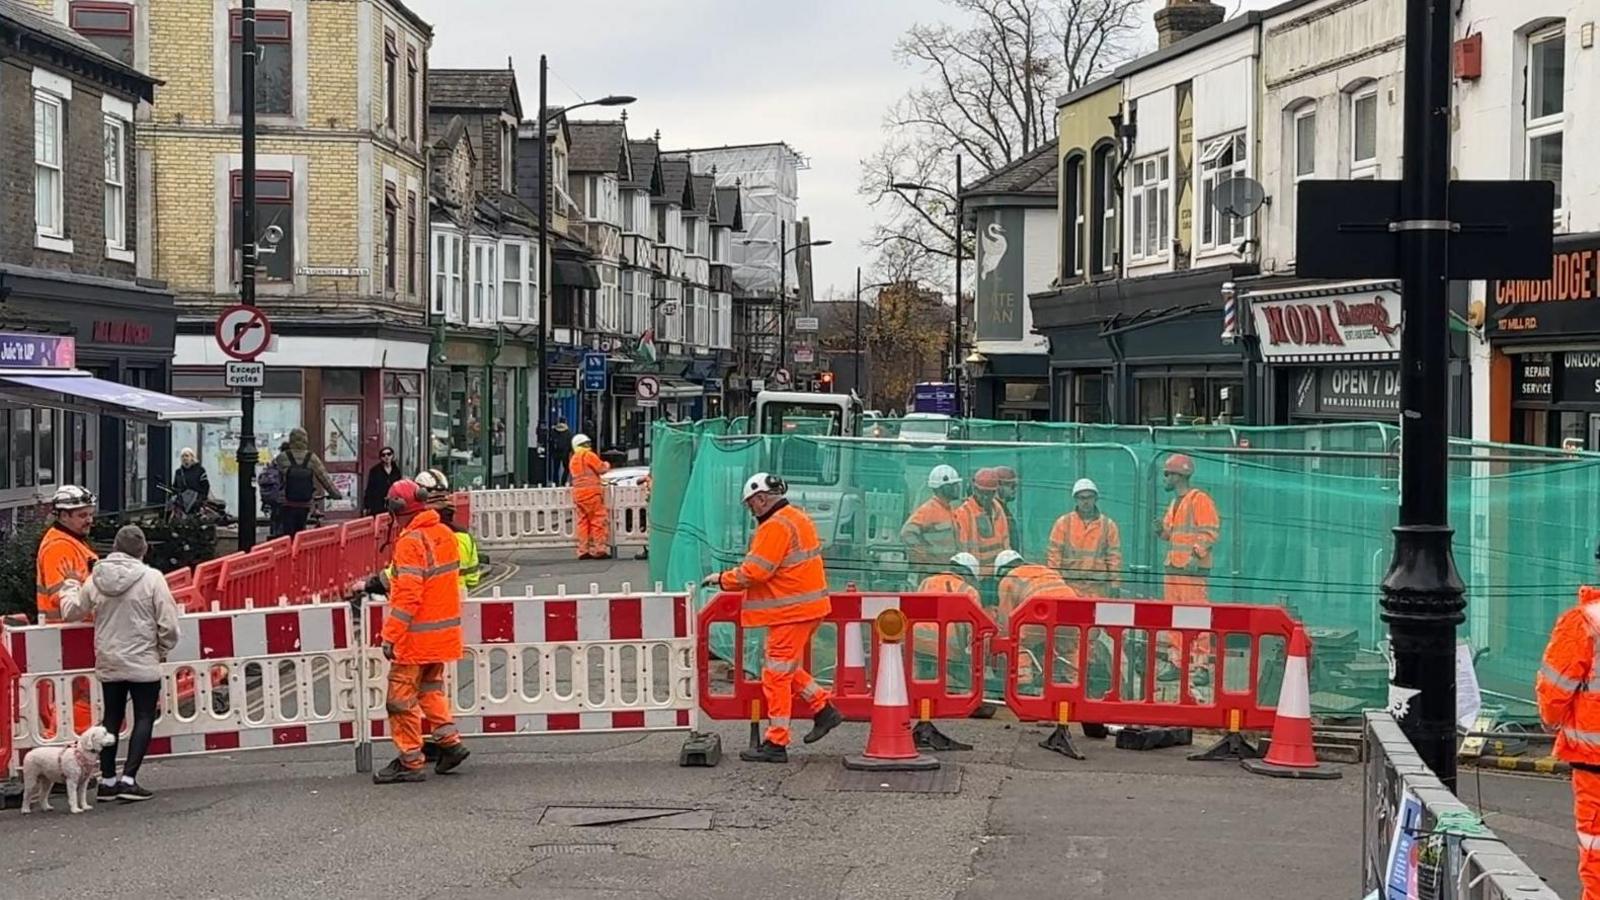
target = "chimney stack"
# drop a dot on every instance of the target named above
(1181, 18)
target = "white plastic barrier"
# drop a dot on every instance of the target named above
(237, 680)
(590, 663)
(542, 518)
(296, 676)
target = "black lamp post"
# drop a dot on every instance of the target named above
(545, 176)
(961, 403)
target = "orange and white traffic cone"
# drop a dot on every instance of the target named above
(890, 747)
(1292, 754)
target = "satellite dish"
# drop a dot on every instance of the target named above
(1238, 197)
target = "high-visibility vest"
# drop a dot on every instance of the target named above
(1566, 685)
(782, 574)
(930, 533)
(1027, 581)
(62, 556)
(586, 467)
(1192, 527)
(1086, 552)
(468, 549)
(922, 642)
(982, 530)
(424, 620)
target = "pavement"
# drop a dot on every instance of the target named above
(1004, 820)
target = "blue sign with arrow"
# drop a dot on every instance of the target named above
(594, 372)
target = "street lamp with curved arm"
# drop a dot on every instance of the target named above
(608, 100)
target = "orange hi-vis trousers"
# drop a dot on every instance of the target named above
(782, 678)
(416, 691)
(1586, 815)
(1190, 589)
(594, 524)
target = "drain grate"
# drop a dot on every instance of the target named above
(673, 818)
(544, 850)
(943, 780)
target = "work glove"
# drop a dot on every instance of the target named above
(388, 651)
(712, 580)
(375, 585)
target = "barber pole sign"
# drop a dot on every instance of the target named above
(1230, 314)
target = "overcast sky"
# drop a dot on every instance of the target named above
(817, 74)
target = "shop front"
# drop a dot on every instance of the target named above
(1147, 351)
(1545, 351)
(478, 412)
(122, 333)
(1332, 352)
(376, 397)
(54, 416)
(1012, 387)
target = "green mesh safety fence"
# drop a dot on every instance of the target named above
(1306, 513)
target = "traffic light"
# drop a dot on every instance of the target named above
(825, 382)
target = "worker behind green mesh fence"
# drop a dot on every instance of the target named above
(1306, 518)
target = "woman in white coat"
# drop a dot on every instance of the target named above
(135, 627)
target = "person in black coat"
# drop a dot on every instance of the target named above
(379, 479)
(190, 476)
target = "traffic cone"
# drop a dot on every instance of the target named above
(890, 747)
(1292, 754)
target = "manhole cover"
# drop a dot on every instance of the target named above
(943, 780)
(627, 817)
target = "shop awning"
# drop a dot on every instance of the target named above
(574, 274)
(78, 391)
(674, 389)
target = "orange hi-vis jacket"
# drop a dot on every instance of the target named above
(983, 532)
(1566, 686)
(62, 555)
(586, 467)
(927, 644)
(424, 621)
(1027, 581)
(1192, 527)
(1087, 551)
(782, 574)
(930, 534)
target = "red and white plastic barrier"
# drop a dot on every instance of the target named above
(557, 664)
(294, 676)
(236, 680)
(545, 518)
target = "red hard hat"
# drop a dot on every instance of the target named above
(1178, 464)
(406, 498)
(1006, 474)
(986, 480)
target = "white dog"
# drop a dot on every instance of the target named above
(76, 765)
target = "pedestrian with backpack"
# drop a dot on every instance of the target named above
(302, 474)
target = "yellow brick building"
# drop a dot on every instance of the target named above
(341, 176)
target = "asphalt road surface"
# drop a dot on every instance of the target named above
(615, 817)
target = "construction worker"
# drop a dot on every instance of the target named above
(961, 575)
(589, 495)
(1190, 528)
(1004, 497)
(929, 534)
(644, 552)
(981, 527)
(1570, 707)
(786, 592)
(466, 546)
(1085, 545)
(65, 555)
(421, 633)
(1020, 580)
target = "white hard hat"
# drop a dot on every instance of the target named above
(1006, 558)
(578, 440)
(433, 481)
(966, 561)
(764, 483)
(943, 475)
(1085, 484)
(70, 496)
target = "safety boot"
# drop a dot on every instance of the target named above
(450, 756)
(767, 752)
(396, 773)
(827, 719)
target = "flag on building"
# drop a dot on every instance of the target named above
(646, 351)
